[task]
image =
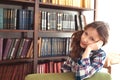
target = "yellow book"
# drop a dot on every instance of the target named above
(61, 2)
(39, 47)
(29, 53)
(54, 1)
(68, 2)
(87, 4)
(44, 1)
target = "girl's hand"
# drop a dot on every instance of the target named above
(95, 46)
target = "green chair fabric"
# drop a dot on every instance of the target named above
(66, 76)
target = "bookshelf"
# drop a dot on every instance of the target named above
(39, 32)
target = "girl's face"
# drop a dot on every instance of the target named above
(89, 36)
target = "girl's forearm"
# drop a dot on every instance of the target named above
(86, 53)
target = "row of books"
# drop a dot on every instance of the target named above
(16, 71)
(22, 19)
(13, 48)
(16, 19)
(49, 67)
(54, 47)
(61, 21)
(76, 3)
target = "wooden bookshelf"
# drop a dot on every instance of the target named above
(35, 33)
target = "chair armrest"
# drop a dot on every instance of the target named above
(115, 70)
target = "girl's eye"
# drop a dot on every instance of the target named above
(86, 33)
(92, 39)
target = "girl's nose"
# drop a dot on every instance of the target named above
(86, 40)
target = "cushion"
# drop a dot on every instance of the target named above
(66, 76)
(100, 76)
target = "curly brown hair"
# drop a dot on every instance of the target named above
(102, 29)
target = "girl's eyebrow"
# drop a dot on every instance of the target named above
(95, 39)
(98, 40)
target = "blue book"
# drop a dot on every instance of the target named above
(30, 20)
(1, 18)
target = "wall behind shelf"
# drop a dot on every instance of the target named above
(109, 12)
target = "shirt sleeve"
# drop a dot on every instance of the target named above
(66, 67)
(85, 68)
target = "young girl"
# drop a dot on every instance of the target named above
(86, 56)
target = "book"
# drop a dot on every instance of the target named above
(7, 48)
(1, 18)
(39, 47)
(26, 46)
(30, 19)
(43, 21)
(61, 2)
(15, 48)
(30, 51)
(83, 20)
(59, 21)
(11, 47)
(66, 22)
(20, 48)
(1, 48)
(5, 18)
(72, 22)
(78, 25)
(51, 21)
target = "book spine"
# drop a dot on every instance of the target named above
(14, 49)
(59, 21)
(1, 18)
(1, 48)
(44, 14)
(4, 18)
(7, 48)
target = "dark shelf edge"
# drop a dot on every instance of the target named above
(62, 7)
(12, 61)
(10, 30)
(52, 58)
(18, 2)
(16, 33)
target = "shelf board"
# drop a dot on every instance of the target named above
(52, 58)
(55, 33)
(63, 7)
(15, 61)
(11, 30)
(18, 2)
(16, 33)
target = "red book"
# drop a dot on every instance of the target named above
(1, 48)
(51, 66)
(7, 48)
(59, 67)
(55, 67)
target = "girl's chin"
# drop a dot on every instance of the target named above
(83, 46)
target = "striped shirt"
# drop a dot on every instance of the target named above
(85, 68)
